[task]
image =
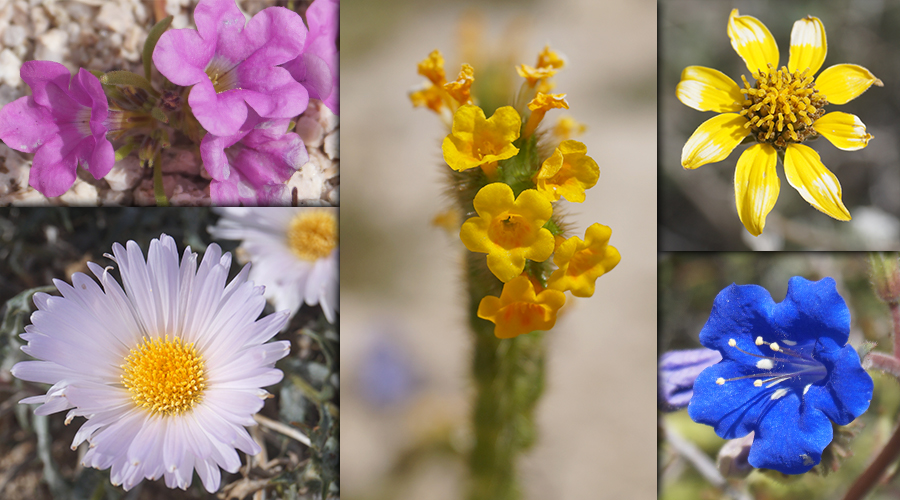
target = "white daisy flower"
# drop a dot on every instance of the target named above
(167, 372)
(294, 251)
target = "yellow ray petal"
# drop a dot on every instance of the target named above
(844, 130)
(815, 183)
(808, 46)
(756, 186)
(714, 140)
(752, 41)
(842, 83)
(707, 89)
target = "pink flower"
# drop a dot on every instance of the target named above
(232, 65)
(252, 166)
(317, 67)
(62, 122)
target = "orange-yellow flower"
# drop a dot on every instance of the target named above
(550, 59)
(580, 263)
(433, 96)
(508, 229)
(476, 141)
(432, 67)
(539, 107)
(519, 310)
(460, 89)
(532, 74)
(567, 173)
(567, 128)
(780, 111)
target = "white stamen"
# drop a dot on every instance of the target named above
(806, 388)
(779, 394)
(789, 342)
(720, 381)
(757, 383)
(765, 364)
(732, 342)
(759, 341)
(774, 346)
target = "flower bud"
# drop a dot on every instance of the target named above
(732, 459)
(885, 275)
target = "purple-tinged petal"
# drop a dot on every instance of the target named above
(220, 114)
(676, 373)
(91, 86)
(317, 68)
(182, 56)
(52, 172)
(276, 33)
(219, 20)
(25, 125)
(277, 96)
(39, 74)
(102, 159)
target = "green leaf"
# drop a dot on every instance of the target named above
(155, 32)
(128, 78)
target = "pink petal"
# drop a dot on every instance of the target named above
(182, 56)
(25, 125)
(38, 74)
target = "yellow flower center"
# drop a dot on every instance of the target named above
(782, 107)
(164, 376)
(314, 235)
(510, 230)
(221, 75)
(524, 314)
(582, 262)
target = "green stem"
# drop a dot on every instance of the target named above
(509, 379)
(158, 190)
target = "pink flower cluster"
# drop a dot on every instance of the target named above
(247, 80)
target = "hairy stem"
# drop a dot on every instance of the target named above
(509, 379)
(895, 317)
(876, 469)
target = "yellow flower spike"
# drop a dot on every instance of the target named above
(432, 67)
(532, 75)
(567, 173)
(580, 262)
(539, 107)
(781, 110)
(519, 310)
(476, 141)
(508, 229)
(567, 128)
(460, 89)
(550, 59)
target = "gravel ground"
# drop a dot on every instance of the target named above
(109, 35)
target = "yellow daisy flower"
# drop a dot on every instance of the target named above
(508, 229)
(580, 263)
(568, 172)
(780, 111)
(520, 310)
(478, 141)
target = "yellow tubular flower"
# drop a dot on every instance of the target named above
(781, 110)
(549, 59)
(567, 173)
(476, 141)
(580, 263)
(519, 310)
(533, 75)
(567, 128)
(539, 107)
(459, 89)
(431, 97)
(432, 67)
(508, 229)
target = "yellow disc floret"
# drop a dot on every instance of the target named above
(164, 376)
(782, 107)
(313, 235)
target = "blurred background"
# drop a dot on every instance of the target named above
(688, 284)
(38, 245)
(697, 207)
(406, 362)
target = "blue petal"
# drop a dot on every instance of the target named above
(810, 310)
(734, 408)
(740, 312)
(788, 440)
(847, 391)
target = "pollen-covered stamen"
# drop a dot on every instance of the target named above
(221, 74)
(795, 365)
(782, 107)
(164, 376)
(313, 235)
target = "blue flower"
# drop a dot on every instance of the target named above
(787, 370)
